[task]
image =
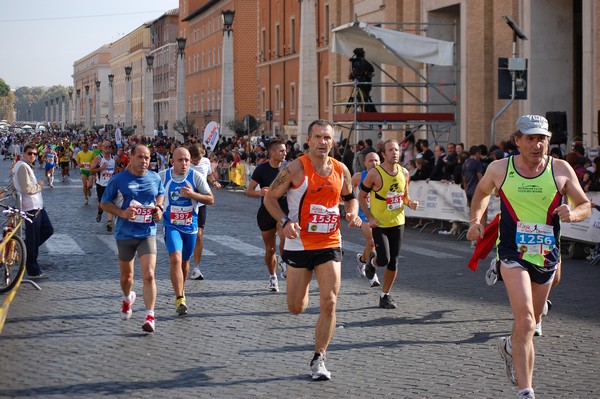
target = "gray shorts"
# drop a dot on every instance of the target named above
(143, 246)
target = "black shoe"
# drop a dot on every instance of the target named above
(40, 276)
(387, 302)
(369, 268)
(109, 226)
(98, 217)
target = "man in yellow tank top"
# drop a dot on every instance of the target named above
(387, 185)
(531, 188)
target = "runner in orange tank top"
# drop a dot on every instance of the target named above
(313, 184)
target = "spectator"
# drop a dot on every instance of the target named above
(347, 155)
(356, 162)
(423, 148)
(576, 162)
(407, 147)
(438, 173)
(450, 161)
(592, 183)
(457, 174)
(423, 169)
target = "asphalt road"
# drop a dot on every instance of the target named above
(239, 341)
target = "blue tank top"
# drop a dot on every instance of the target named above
(180, 213)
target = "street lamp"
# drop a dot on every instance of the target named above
(70, 107)
(78, 107)
(148, 98)
(227, 95)
(111, 100)
(180, 109)
(98, 103)
(128, 96)
(227, 16)
(88, 112)
(57, 110)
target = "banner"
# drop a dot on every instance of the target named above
(118, 137)
(211, 136)
(444, 201)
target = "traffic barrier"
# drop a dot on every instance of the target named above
(448, 202)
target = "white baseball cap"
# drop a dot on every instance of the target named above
(533, 124)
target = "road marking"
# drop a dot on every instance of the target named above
(428, 252)
(63, 244)
(110, 242)
(237, 245)
(205, 252)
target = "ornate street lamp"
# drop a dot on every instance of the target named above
(111, 100)
(227, 16)
(148, 98)
(128, 96)
(98, 104)
(88, 112)
(180, 89)
(70, 107)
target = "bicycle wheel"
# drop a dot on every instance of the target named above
(12, 267)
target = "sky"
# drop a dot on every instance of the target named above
(41, 39)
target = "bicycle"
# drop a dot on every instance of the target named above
(13, 253)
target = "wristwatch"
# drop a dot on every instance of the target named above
(284, 220)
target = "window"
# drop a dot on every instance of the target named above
(263, 47)
(263, 105)
(326, 93)
(292, 35)
(292, 98)
(326, 27)
(276, 98)
(202, 101)
(276, 50)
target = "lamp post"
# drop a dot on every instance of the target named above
(148, 98)
(111, 100)
(62, 113)
(227, 99)
(51, 111)
(70, 107)
(78, 108)
(57, 111)
(46, 112)
(88, 115)
(128, 96)
(98, 121)
(29, 113)
(180, 110)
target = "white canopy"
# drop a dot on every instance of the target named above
(387, 46)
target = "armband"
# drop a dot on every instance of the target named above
(365, 188)
(348, 197)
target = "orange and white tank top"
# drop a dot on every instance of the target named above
(314, 205)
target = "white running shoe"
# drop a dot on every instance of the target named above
(318, 371)
(360, 266)
(374, 282)
(538, 330)
(491, 276)
(149, 324)
(196, 274)
(273, 284)
(282, 266)
(509, 369)
(126, 307)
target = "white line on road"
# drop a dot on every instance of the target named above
(63, 244)
(237, 245)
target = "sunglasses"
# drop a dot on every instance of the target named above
(31, 153)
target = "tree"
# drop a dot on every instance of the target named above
(185, 128)
(7, 101)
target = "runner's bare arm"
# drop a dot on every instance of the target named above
(370, 181)
(277, 189)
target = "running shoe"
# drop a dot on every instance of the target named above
(98, 217)
(528, 394)
(318, 371)
(109, 226)
(547, 307)
(538, 330)
(374, 282)
(509, 369)
(126, 307)
(148, 325)
(282, 266)
(273, 284)
(85, 201)
(386, 302)
(181, 306)
(491, 276)
(196, 274)
(360, 266)
(369, 268)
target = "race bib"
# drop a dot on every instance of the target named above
(535, 238)
(181, 215)
(85, 165)
(322, 219)
(394, 200)
(143, 214)
(106, 174)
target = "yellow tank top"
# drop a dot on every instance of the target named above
(387, 204)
